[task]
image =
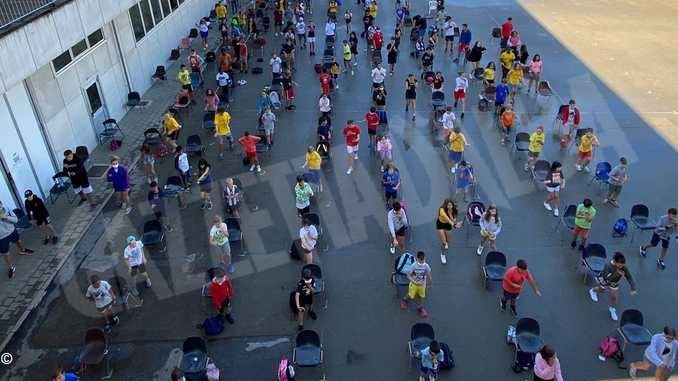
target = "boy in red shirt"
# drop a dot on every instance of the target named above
(244, 53)
(221, 292)
(372, 119)
(325, 82)
(513, 283)
(352, 134)
(249, 143)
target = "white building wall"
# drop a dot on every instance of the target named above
(61, 108)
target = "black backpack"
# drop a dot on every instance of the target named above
(448, 357)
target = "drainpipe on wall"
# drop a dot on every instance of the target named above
(122, 57)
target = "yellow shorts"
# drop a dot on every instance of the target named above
(415, 290)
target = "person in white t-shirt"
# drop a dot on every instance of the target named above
(276, 66)
(448, 120)
(378, 76)
(330, 28)
(308, 235)
(100, 292)
(136, 261)
(219, 238)
(449, 34)
(301, 32)
(461, 85)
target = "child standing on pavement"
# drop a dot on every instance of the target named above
(666, 226)
(101, 293)
(586, 145)
(420, 279)
(609, 280)
(219, 238)
(136, 261)
(582, 223)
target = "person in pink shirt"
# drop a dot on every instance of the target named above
(211, 100)
(547, 366)
(535, 68)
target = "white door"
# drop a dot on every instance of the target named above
(97, 107)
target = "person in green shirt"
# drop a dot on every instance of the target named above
(582, 223)
(348, 56)
(184, 78)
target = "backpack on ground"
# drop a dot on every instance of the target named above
(620, 228)
(285, 370)
(609, 349)
(318, 68)
(496, 32)
(448, 357)
(295, 249)
(404, 263)
(213, 326)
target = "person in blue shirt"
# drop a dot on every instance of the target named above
(60, 375)
(501, 93)
(464, 41)
(431, 357)
(391, 182)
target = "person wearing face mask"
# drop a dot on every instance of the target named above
(303, 298)
(661, 353)
(221, 291)
(117, 175)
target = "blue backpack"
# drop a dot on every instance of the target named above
(620, 228)
(213, 326)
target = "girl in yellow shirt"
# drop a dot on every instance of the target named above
(172, 128)
(515, 79)
(313, 162)
(536, 145)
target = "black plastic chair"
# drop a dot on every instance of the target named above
(437, 99)
(640, 218)
(308, 351)
(235, 236)
(23, 221)
(540, 171)
(474, 212)
(593, 258)
(208, 120)
(124, 293)
(528, 335)
(111, 131)
(567, 219)
(194, 145)
(154, 235)
(96, 352)
(152, 137)
(521, 142)
(632, 330)
(62, 185)
(160, 73)
(494, 268)
(133, 99)
(421, 335)
(82, 153)
(193, 33)
(194, 359)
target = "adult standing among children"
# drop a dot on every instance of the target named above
(9, 235)
(398, 224)
(447, 219)
(535, 68)
(37, 211)
(512, 284)
(118, 176)
(74, 168)
(666, 226)
(554, 182)
(392, 55)
(618, 176)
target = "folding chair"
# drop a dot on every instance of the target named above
(601, 175)
(640, 218)
(154, 235)
(111, 131)
(593, 259)
(96, 351)
(133, 99)
(421, 335)
(631, 329)
(567, 219)
(521, 142)
(539, 172)
(308, 351)
(62, 185)
(320, 287)
(235, 236)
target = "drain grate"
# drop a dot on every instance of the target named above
(97, 170)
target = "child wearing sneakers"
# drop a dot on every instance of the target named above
(420, 279)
